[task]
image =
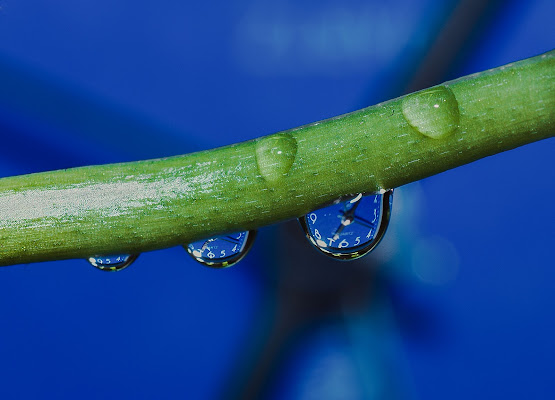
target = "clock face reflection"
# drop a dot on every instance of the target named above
(222, 251)
(349, 229)
(115, 262)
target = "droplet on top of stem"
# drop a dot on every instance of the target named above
(433, 112)
(275, 155)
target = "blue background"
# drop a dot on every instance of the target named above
(455, 303)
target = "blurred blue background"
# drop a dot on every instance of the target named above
(456, 301)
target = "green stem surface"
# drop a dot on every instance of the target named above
(146, 205)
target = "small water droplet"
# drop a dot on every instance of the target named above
(222, 251)
(115, 262)
(349, 229)
(433, 112)
(274, 155)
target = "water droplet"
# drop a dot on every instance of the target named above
(349, 229)
(222, 251)
(112, 263)
(433, 112)
(275, 154)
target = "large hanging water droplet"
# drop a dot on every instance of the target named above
(112, 263)
(222, 251)
(433, 112)
(349, 229)
(275, 155)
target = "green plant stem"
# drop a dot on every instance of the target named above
(146, 205)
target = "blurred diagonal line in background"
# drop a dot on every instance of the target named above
(297, 310)
(464, 26)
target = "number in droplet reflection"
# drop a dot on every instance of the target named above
(222, 251)
(112, 263)
(349, 229)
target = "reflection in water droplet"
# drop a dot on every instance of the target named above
(349, 229)
(274, 155)
(222, 251)
(112, 263)
(433, 112)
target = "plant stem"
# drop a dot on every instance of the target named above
(146, 205)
